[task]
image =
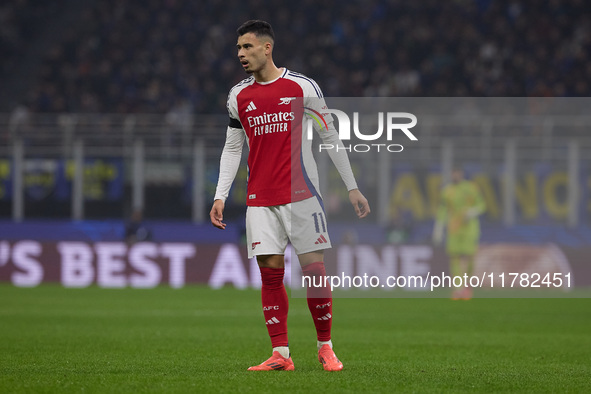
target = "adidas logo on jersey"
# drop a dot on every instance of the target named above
(272, 320)
(321, 240)
(325, 317)
(250, 107)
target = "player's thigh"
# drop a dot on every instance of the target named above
(308, 229)
(265, 231)
(462, 244)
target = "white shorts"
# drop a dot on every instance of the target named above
(268, 229)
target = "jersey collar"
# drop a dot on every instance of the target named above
(279, 77)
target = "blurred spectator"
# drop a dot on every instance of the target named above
(136, 230)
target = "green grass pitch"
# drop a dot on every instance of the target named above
(198, 340)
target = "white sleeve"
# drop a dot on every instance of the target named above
(232, 152)
(330, 136)
(229, 162)
(339, 156)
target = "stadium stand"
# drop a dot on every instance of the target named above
(113, 73)
(21, 23)
(154, 56)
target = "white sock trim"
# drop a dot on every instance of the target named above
(283, 350)
(321, 343)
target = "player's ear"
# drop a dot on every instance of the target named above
(268, 48)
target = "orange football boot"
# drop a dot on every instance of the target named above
(328, 359)
(275, 363)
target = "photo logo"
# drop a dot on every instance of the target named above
(344, 129)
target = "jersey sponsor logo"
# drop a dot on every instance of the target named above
(277, 122)
(286, 100)
(271, 128)
(250, 107)
(252, 196)
(266, 118)
(254, 245)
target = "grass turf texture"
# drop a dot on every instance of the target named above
(200, 340)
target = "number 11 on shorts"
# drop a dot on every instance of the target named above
(318, 217)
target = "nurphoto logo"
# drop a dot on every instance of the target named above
(392, 120)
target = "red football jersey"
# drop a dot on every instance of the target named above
(273, 129)
(280, 161)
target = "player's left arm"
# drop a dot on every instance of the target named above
(339, 157)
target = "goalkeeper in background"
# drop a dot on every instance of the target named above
(460, 205)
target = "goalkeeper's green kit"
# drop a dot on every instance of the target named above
(460, 206)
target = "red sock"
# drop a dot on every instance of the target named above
(319, 300)
(275, 305)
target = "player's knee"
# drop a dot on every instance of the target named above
(271, 261)
(311, 257)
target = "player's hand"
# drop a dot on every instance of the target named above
(217, 214)
(360, 203)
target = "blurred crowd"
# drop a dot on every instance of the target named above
(21, 23)
(160, 56)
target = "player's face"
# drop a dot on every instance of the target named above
(252, 52)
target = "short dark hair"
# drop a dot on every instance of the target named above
(258, 27)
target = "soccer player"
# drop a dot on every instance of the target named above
(283, 202)
(461, 204)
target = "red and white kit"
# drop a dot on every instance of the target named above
(283, 196)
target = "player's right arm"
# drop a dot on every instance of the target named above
(217, 214)
(229, 163)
